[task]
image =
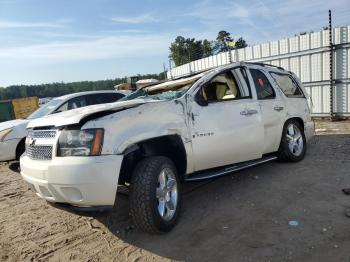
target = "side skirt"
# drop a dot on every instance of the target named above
(221, 171)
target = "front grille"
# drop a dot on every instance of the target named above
(39, 152)
(39, 144)
(42, 134)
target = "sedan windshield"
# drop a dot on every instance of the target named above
(45, 109)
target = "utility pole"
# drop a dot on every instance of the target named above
(331, 60)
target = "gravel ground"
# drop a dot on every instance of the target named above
(239, 217)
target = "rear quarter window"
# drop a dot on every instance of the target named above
(287, 84)
(263, 86)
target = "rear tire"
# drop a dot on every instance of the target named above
(293, 142)
(155, 198)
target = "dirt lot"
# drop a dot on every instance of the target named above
(239, 217)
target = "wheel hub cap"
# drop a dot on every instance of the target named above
(295, 140)
(167, 194)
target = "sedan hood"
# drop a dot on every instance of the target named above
(12, 123)
(74, 116)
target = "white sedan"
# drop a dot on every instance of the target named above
(13, 133)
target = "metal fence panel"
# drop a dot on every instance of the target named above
(306, 55)
(6, 111)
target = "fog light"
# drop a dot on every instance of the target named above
(72, 194)
(44, 191)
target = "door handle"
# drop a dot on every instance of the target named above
(278, 108)
(248, 112)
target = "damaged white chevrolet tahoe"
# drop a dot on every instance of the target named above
(193, 128)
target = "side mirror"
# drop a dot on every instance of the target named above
(200, 99)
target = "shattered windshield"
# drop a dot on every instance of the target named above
(164, 91)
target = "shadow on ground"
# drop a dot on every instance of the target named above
(245, 215)
(206, 216)
(14, 166)
(240, 217)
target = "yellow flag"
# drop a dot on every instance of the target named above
(232, 43)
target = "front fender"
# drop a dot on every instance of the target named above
(147, 121)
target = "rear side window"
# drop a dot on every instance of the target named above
(263, 86)
(287, 84)
(103, 98)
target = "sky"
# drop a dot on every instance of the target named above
(44, 41)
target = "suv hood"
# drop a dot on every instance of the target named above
(74, 116)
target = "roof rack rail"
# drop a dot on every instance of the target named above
(263, 64)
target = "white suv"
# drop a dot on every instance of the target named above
(188, 129)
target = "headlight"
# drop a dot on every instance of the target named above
(4, 133)
(86, 142)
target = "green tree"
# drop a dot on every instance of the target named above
(59, 89)
(222, 41)
(207, 48)
(241, 43)
(178, 51)
(184, 50)
(194, 49)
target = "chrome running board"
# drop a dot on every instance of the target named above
(221, 171)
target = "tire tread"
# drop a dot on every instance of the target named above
(141, 194)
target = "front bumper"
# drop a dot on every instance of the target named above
(78, 181)
(309, 129)
(8, 149)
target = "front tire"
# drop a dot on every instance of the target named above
(293, 142)
(155, 197)
(21, 148)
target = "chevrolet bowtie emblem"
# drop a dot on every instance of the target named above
(31, 141)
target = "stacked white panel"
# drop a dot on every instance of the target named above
(256, 51)
(241, 54)
(340, 98)
(294, 44)
(285, 63)
(249, 53)
(274, 48)
(284, 46)
(304, 42)
(306, 55)
(275, 62)
(305, 68)
(348, 97)
(294, 65)
(325, 38)
(348, 63)
(325, 66)
(265, 49)
(316, 68)
(315, 40)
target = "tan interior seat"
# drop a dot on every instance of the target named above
(221, 87)
(221, 90)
